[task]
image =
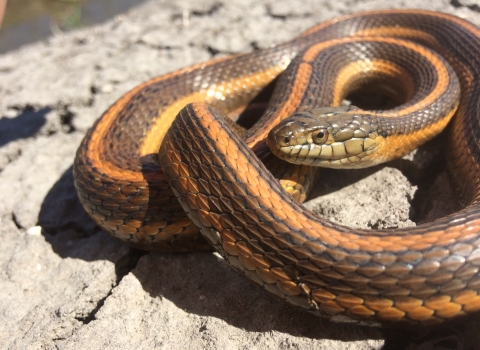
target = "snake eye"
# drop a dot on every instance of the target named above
(320, 136)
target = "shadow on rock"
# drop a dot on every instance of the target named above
(24, 125)
(332, 180)
(203, 284)
(69, 229)
(461, 334)
(198, 283)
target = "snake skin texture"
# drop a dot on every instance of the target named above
(422, 275)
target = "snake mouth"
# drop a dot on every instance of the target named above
(326, 137)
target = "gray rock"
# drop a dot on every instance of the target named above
(68, 285)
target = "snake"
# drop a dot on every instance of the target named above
(165, 169)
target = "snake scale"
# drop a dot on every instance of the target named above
(422, 275)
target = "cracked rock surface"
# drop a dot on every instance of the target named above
(65, 284)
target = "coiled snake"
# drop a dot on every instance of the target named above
(420, 275)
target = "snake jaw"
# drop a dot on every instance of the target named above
(333, 137)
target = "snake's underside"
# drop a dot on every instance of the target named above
(421, 275)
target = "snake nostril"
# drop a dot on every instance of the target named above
(286, 140)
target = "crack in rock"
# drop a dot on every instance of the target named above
(16, 221)
(458, 4)
(122, 268)
(212, 10)
(66, 119)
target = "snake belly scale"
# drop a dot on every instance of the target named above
(421, 275)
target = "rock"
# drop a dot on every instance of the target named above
(66, 284)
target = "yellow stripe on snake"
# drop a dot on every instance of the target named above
(245, 202)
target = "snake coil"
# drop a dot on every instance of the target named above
(420, 275)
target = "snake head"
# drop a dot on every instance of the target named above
(333, 137)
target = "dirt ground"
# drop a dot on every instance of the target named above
(65, 284)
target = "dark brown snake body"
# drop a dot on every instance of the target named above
(420, 275)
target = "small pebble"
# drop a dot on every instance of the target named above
(34, 231)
